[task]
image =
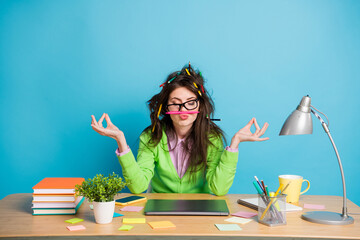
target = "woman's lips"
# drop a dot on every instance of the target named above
(184, 116)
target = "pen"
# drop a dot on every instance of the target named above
(257, 187)
(185, 112)
(257, 180)
(282, 191)
(263, 187)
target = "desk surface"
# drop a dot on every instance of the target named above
(17, 221)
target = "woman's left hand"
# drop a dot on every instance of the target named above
(245, 135)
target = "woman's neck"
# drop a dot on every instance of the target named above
(182, 132)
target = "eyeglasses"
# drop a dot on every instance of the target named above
(189, 105)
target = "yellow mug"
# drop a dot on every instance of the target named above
(293, 191)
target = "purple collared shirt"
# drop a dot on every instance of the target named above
(178, 156)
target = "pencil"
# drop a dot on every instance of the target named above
(271, 202)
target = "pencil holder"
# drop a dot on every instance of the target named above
(271, 211)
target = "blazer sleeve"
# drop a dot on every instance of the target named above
(138, 174)
(221, 168)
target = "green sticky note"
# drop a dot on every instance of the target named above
(125, 228)
(74, 220)
(228, 227)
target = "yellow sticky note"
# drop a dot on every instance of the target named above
(161, 224)
(125, 228)
(74, 220)
(134, 220)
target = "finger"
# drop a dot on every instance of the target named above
(257, 127)
(107, 118)
(257, 139)
(250, 123)
(263, 129)
(101, 120)
(98, 129)
(262, 139)
(93, 120)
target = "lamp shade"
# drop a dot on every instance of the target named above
(299, 121)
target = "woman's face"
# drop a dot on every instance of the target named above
(178, 96)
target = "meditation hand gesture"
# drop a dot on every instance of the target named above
(110, 131)
(245, 135)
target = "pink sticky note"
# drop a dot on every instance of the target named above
(313, 206)
(76, 228)
(131, 209)
(244, 214)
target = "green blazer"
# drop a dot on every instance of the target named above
(154, 165)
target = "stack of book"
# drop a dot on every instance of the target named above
(56, 196)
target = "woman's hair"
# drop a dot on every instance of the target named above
(198, 140)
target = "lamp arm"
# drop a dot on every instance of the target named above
(326, 128)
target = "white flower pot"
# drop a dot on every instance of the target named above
(104, 212)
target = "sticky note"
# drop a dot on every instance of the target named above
(161, 224)
(117, 214)
(228, 227)
(244, 214)
(131, 209)
(134, 220)
(76, 228)
(313, 206)
(238, 220)
(74, 220)
(125, 228)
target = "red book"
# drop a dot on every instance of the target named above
(57, 185)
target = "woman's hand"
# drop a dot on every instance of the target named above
(245, 135)
(110, 131)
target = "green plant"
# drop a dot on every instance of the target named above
(101, 188)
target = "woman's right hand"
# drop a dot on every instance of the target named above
(110, 131)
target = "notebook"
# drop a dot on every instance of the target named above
(254, 202)
(186, 207)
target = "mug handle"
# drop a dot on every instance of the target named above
(308, 186)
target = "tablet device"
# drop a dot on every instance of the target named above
(186, 207)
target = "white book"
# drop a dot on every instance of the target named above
(54, 198)
(57, 204)
(54, 191)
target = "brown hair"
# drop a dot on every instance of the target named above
(198, 140)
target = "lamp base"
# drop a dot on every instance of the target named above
(323, 217)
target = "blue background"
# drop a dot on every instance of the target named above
(61, 61)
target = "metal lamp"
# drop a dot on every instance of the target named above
(300, 122)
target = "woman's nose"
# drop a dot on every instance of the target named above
(181, 107)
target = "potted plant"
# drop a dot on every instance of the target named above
(101, 191)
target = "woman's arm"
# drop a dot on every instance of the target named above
(221, 168)
(137, 174)
(222, 163)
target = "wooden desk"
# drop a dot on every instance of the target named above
(17, 222)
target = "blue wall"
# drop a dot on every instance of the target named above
(61, 61)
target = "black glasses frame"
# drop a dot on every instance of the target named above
(183, 104)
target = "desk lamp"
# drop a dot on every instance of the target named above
(300, 122)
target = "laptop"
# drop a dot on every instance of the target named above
(186, 207)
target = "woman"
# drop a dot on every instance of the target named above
(182, 150)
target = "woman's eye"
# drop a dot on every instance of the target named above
(192, 103)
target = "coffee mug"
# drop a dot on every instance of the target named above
(293, 191)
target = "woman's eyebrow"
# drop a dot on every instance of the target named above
(180, 99)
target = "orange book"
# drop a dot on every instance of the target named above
(57, 185)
